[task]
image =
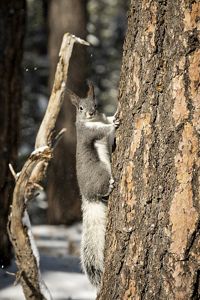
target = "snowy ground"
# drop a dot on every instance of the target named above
(59, 250)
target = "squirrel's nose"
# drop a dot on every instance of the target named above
(91, 113)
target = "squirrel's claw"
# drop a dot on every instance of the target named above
(116, 123)
(111, 185)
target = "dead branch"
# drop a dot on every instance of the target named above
(29, 179)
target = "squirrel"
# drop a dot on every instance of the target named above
(95, 137)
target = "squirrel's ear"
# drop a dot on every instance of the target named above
(90, 92)
(73, 97)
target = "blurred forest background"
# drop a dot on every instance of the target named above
(39, 27)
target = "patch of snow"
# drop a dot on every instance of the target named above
(58, 274)
(58, 240)
(60, 270)
(39, 150)
(43, 287)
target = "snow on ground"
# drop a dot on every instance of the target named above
(59, 263)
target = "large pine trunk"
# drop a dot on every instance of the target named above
(62, 191)
(153, 222)
(12, 28)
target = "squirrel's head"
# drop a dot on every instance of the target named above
(86, 108)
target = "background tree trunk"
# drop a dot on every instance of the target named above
(152, 235)
(12, 28)
(63, 194)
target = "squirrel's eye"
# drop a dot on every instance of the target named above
(81, 108)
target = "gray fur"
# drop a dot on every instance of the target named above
(93, 175)
(95, 134)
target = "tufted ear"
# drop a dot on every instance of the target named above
(73, 97)
(90, 92)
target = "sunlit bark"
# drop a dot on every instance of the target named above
(152, 236)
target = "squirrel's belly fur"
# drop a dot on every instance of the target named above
(93, 239)
(103, 153)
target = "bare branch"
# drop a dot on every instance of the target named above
(14, 174)
(29, 179)
(46, 130)
(59, 136)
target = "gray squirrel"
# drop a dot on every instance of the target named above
(95, 137)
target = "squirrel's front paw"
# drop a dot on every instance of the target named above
(110, 188)
(116, 123)
(111, 185)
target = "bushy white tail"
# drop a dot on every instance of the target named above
(93, 239)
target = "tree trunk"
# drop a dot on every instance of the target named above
(152, 233)
(62, 190)
(12, 28)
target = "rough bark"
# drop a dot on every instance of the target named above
(62, 191)
(153, 223)
(12, 28)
